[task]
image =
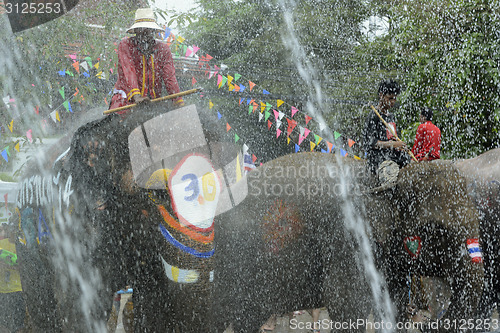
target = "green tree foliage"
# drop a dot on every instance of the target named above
(251, 38)
(451, 51)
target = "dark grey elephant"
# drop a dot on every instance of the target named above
(159, 201)
(427, 225)
(483, 179)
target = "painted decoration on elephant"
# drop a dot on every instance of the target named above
(195, 188)
(281, 225)
(474, 250)
(413, 245)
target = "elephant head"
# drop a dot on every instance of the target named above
(427, 225)
(483, 184)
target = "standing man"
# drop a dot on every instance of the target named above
(427, 144)
(380, 144)
(144, 64)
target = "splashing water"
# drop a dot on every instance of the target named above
(354, 222)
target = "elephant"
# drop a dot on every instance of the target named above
(483, 179)
(427, 225)
(158, 200)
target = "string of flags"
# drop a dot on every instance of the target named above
(278, 115)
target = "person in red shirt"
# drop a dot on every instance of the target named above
(144, 64)
(427, 144)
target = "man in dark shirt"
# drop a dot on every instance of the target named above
(380, 144)
(427, 144)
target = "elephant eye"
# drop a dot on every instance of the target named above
(158, 180)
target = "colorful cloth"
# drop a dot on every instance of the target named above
(143, 75)
(10, 281)
(427, 141)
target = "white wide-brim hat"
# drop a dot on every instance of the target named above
(144, 18)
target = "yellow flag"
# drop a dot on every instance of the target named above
(280, 102)
(229, 79)
(238, 169)
(262, 107)
(11, 125)
(231, 86)
(287, 140)
(180, 39)
(16, 147)
(210, 104)
(96, 66)
(57, 116)
(312, 145)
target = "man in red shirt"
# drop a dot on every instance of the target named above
(144, 64)
(427, 144)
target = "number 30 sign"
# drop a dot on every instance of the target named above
(195, 188)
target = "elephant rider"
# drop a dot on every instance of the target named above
(427, 144)
(144, 64)
(380, 144)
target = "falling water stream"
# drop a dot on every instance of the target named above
(353, 220)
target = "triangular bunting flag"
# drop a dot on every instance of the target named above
(269, 124)
(262, 106)
(306, 132)
(330, 146)
(219, 80)
(317, 139)
(312, 145)
(287, 140)
(236, 137)
(61, 91)
(57, 116)
(89, 61)
(336, 134)
(219, 115)
(307, 119)
(210, 104)
(193, 81)
(267, 114)
(76, 65)
(279, 102)
(5, 156)
(350, 142)
(241, 100)
(16, 147)
(291, 126)
(278, 133)
(261, 116)
(229, 79)
(231, 87)
(343, 152)
(236, 87)
(85, 66)
(276, 115)
(297, 148)
(236, 76)
(278, 123)
(28, 135)
(242, 88)
(11, 125)
(251, 85)
(250, 109)
(265, 92)
(301, 138)
(294, 111)
(227, 127)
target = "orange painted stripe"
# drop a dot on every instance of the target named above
(173, 223)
